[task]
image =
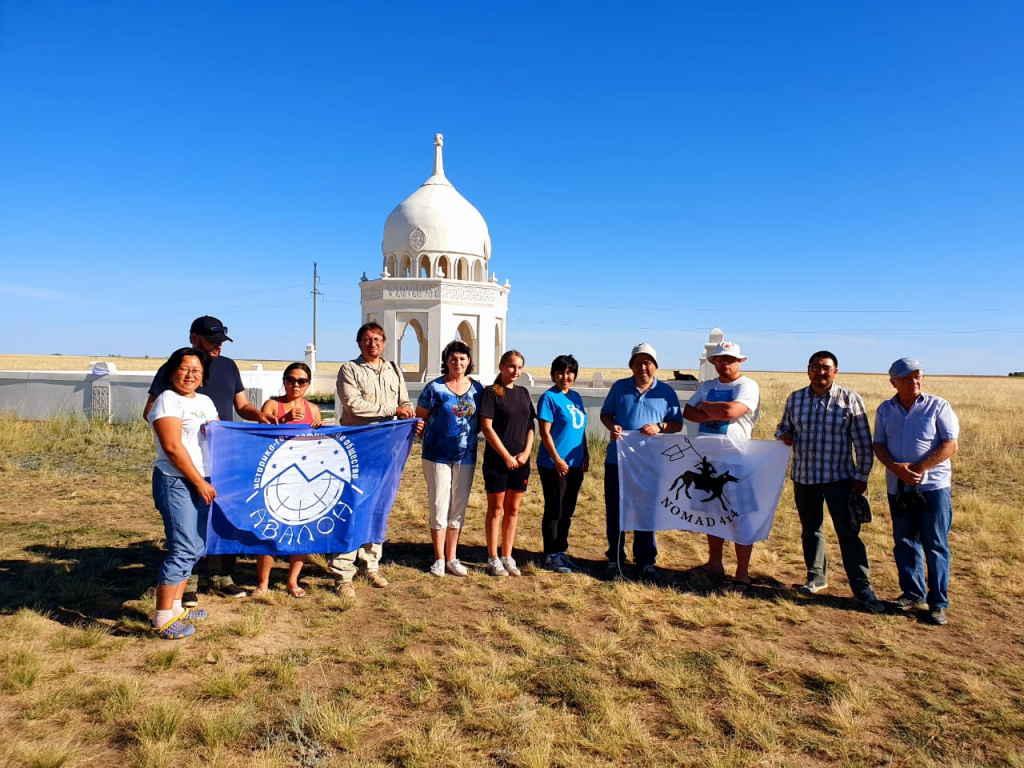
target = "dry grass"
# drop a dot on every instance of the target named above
(539, 671)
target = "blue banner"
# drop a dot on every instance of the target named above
(293, 490)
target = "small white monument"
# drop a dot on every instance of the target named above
(434, 286)
(706, 370)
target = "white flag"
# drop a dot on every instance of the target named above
(709, 484)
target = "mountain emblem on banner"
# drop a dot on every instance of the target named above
(310, 479)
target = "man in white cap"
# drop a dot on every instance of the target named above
(643, 403)
(915, 436)
(729, 406)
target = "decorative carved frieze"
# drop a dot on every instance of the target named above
(477, 295)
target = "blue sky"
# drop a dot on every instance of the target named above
(846, 175)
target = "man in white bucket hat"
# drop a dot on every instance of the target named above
(729, 406)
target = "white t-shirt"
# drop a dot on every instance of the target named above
(743, 390)
(193, 412)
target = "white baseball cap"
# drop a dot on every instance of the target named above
(728, 349)
(643, 349)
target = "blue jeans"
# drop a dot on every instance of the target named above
(645, 547)
(924, 533)
(184, 513)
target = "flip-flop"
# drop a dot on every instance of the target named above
(175, 630)
(193, 614)
(740, 587)
(261, 593)
(296, 592)
(710, 571)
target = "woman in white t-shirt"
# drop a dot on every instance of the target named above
(181, 490)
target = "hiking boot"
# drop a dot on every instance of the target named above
(650, 574)
(191, 597)
(907, 603)
(345, 589)
(437, 569)
(611, 570)
(869, 602)
(224, 586)
(813, 586)
(376, 580)
(495, 567)
(455, 568)
(510, 566)
(937, 616)
(554, 563)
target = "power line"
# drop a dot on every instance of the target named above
(814, 331)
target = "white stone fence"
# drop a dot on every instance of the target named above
(121, 396)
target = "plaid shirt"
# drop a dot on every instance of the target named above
(824, 431)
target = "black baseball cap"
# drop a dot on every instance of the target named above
(211, 329)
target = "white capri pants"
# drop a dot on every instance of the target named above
(448, 487)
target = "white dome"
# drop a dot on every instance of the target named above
(436, 218)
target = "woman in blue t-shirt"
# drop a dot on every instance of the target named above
(449, 406)
(561, 461)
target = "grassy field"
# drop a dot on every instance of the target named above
(545, 670)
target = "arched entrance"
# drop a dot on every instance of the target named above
(412, 351)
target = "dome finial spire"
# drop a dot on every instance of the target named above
(438, 159)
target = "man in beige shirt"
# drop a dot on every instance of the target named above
(370, 389)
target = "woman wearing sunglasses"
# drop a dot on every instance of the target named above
(290, 408)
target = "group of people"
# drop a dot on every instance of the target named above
(914, 437)
(826, 426)
(824, 423)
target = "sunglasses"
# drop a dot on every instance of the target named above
(296, 382)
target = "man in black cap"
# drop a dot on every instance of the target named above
(224, 387)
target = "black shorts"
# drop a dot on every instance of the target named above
(498, 478)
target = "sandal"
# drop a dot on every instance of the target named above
(261, 593)
(296, 591)
(193, 614)
(740, 587)
(175, 630)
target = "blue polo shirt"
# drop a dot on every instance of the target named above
(632, 409)
(911, 435)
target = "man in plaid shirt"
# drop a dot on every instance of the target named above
(826, 424)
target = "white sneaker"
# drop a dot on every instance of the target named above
(510, 566)
(455, 568)
(437, 569)
(495, 567)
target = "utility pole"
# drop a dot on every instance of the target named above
(316, 292)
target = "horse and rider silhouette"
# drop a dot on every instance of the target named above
(706, 480)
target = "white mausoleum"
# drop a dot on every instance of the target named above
(435, 281)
